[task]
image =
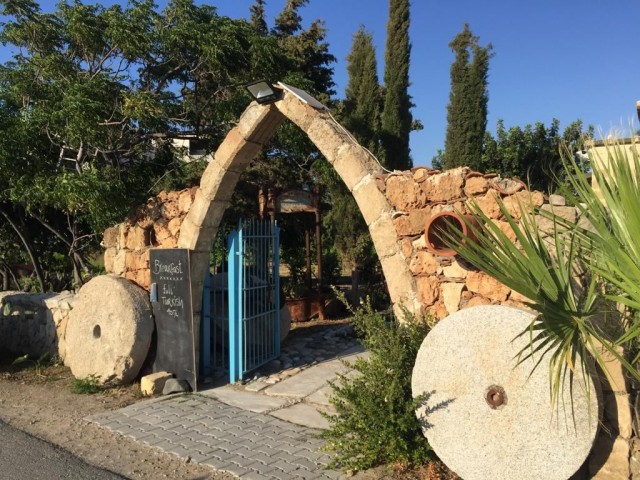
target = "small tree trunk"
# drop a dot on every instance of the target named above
(5, 278)
(28, 247)
(355, 285)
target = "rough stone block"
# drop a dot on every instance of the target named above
(420, 243)
(109, 255)
(505, 228)
(476, 301)
(123, 230)
(403, 193)
(546, 224)
(406, 247)
(451, 294)
(384, 236)
(235, 153)
(446, 186)
(161, 231)
(372, 203)
(521, 202)
(488, 204)
(615, 379)
(206, 213)
(609, 459)
(420, 174)
(194, 237)
(297, 111)
(413, 222)
(438, 310)
(137, 260)
(516, 297)
(120, 262)
(617, 412)
(170, 209)
(138, 238)
(398, 277)
(475, 186)
(480, 282)
(557, 200)
(185, 200)
(423, 263)
(258, 122)
(174, 226)
(111, 237)
(141, 278)
(217, 184)
(329, 137)
(353, 164)
(455, 270)
(428, 289)
(153, 384)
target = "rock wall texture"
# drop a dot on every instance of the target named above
(155, 224)
(34, 324)
(445, 284)
(442, 284)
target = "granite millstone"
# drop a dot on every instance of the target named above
(487, 417)
(109, 330)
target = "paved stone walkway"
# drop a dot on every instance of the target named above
(247, 444)
(267, 428)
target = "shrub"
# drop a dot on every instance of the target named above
(87, 385)
(376, 422)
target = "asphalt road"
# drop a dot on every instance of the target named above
(24, 457)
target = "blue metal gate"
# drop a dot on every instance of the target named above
(245, 300)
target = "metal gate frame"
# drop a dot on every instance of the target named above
(254, 296)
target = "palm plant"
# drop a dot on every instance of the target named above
(543, 266)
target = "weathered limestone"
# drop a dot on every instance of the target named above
(109, 330)
(34, 324)
(475, 391)
(153, 384)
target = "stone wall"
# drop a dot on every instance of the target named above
(34, 324)
(155, 224)
(444, 283)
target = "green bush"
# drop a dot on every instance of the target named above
(88, 385)
(376, 422)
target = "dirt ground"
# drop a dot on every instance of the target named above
(40, 402)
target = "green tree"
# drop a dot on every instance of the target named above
(93, 97)
(258, 21)
(360, 114)
(533, 153)
(468, 98)
(397, 121)
(577, 276)
(362, 104)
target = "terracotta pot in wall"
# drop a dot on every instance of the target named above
(450, 223)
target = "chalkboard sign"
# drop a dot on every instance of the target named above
(171, 301)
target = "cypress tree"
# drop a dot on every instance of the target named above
(396, 116)
(258, 21)
(288, 22)
(468, 99)
(362, 95)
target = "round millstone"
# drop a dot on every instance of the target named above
(109, 330)
(487, 417)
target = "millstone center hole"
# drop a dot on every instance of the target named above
(97, 331)
(496, 396)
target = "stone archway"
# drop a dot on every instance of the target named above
(352, 162)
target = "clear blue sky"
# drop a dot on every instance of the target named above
(568, 59)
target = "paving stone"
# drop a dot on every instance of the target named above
(247, 400)
(302, 414)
